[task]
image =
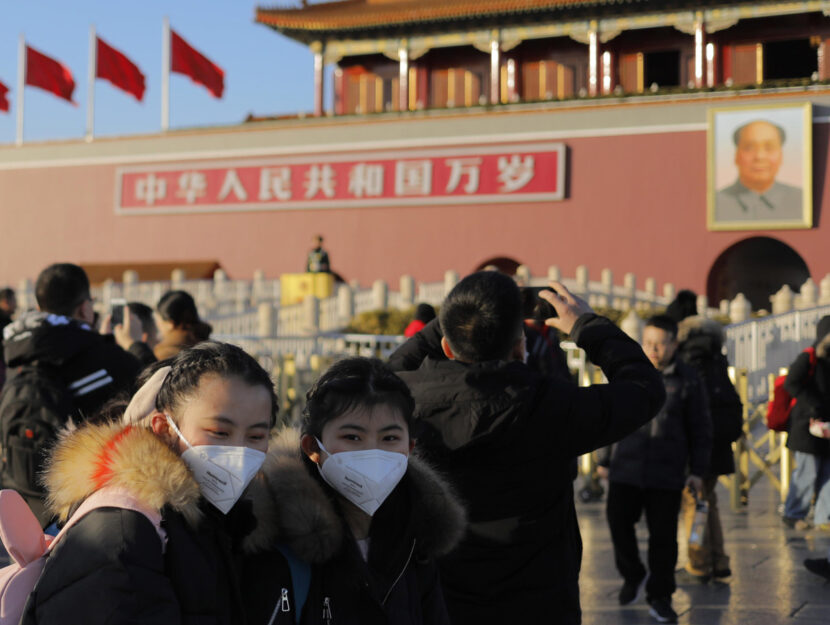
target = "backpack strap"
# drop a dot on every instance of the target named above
(300, 579)
(113, 497)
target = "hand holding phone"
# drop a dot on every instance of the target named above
(568, 307)
(117, 311)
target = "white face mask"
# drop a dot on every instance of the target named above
(221, 471)
(364, 477)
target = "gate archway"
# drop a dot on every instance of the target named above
(504, 264)
(756, 267)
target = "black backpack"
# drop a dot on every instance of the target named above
(34, 406)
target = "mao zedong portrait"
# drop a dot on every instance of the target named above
(756, 195)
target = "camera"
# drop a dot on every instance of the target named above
(534, 306)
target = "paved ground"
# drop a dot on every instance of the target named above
(769, 584)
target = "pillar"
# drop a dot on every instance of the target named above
(380, 295)
(407, 288)
(522, 276)
(824, 291)
(593, 60)
(403, 80)
(495, 71)
(311, 315)
(450, 280)
(739, 308)
(700, 53)
(510, 76)
(632, 325)
(782, 301)
(710, 64)
(317, 48)
(630, 284)
(345, 303)
(339, 92)
(808, 294)
(582, 279)
(554, 274)
(266, 320)
(608, 82)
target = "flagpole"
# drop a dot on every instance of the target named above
(21, 82)
(165, 75)
(93, 70)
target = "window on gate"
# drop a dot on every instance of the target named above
(662, 68)
(794, 58)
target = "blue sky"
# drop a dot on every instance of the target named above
(265, 73)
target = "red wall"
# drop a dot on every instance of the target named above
(635, 203)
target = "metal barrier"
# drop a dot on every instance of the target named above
(759, 449)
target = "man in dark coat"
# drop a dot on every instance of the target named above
(506, 437)
(701, 347)
(56, 361)
(812, 454)
(647, 472)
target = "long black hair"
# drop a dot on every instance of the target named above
(179, 308)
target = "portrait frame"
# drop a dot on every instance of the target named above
(730, 205)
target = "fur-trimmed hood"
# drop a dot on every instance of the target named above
(133, 458)
(823, 347)
(697, 325)
(292, 507)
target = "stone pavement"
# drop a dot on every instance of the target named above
(769, 584)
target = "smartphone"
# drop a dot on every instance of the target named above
(117, 311)
(534, 306)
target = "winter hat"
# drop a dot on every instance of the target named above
(143, 403)
(823, 327)
(684, 305)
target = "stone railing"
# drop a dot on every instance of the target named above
(252, 307)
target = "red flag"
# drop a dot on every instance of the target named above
(48, 74)
(4, 102)
(119, 70)
(190, 62)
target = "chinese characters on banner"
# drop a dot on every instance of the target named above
(512, 173)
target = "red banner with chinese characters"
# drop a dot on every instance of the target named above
(505, 173)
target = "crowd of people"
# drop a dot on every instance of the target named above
(409, 494)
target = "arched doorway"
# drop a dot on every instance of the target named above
(502, 263)
(756, 267)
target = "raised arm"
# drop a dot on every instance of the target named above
(412, 353)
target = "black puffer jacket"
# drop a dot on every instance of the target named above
(109, 568)
(506, 437)
(399, 583)
(677, 442)
(57, 369)
(701, 343)
(91, 365)
(813, 399)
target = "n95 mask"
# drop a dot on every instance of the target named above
(222, 472)
(364, 477)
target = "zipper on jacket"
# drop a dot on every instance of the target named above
(327, 610)
(398, 578)
(283, 605)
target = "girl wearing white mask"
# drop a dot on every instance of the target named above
(359, 519)
(191, 439)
